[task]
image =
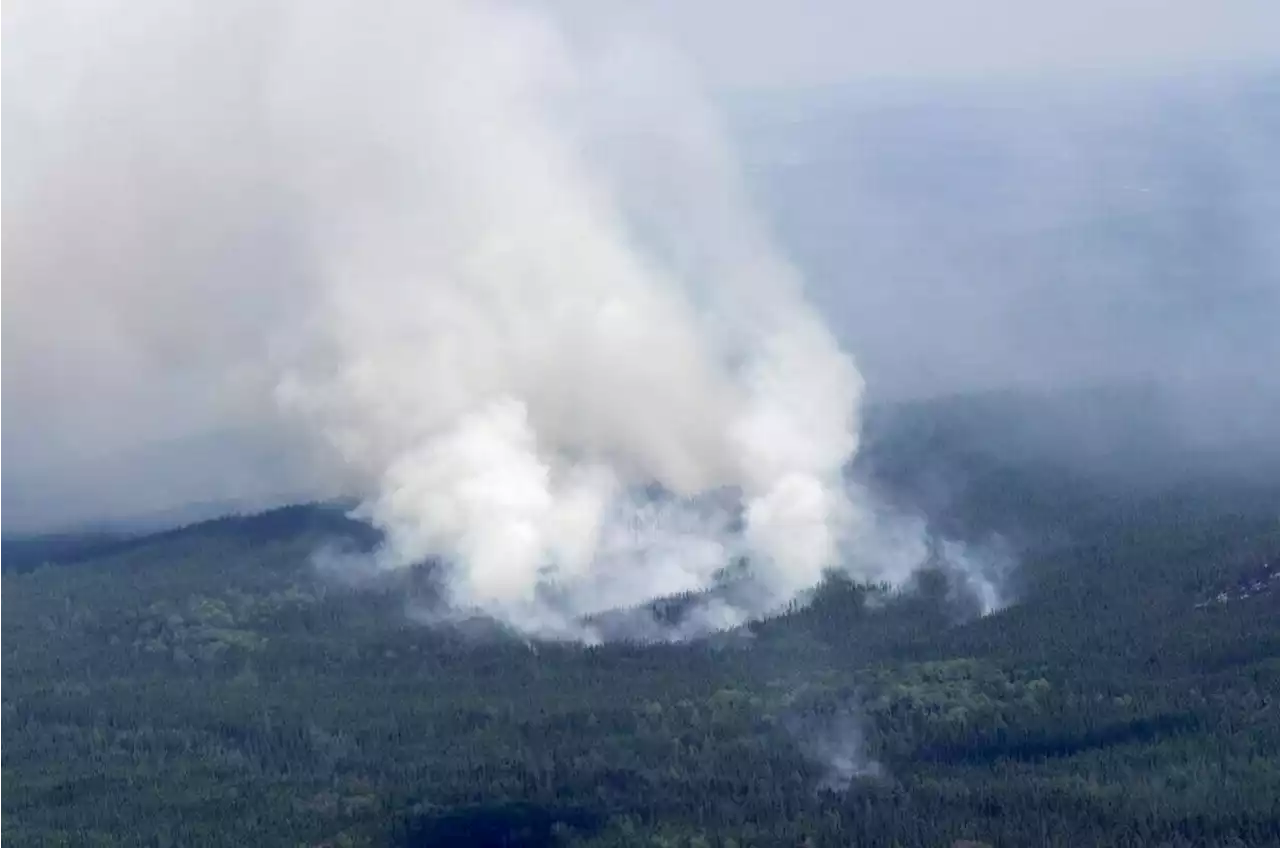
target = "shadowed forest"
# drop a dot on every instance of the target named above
(207, 686)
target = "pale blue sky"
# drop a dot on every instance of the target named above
(754, 45)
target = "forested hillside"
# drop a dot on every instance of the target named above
(206, 686)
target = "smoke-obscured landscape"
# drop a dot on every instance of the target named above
(528, 423)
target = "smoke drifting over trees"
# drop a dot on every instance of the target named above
(469, 326)
(495, 270)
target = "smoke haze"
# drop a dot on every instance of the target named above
(1108, 252)
(496, 269)
(465, 328)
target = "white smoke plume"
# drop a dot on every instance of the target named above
(516, 285)
(842, 749)
(980, 573)
(835, 739)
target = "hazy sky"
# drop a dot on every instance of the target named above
(758, 45)
(1040, 193)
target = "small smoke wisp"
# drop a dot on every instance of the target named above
(979, 573)
(838, 743)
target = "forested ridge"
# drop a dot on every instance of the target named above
(207, 686)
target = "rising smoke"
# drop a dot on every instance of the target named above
(516, 300)
(832, 737)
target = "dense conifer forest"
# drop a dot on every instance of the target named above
(206, 686)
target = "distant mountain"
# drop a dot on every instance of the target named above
(974, 463)
(19, 553)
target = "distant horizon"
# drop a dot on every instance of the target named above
(179, 514)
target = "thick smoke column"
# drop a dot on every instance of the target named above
(508, 345)
(500, 278)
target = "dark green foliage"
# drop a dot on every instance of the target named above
(514, 825)
(207, 687)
